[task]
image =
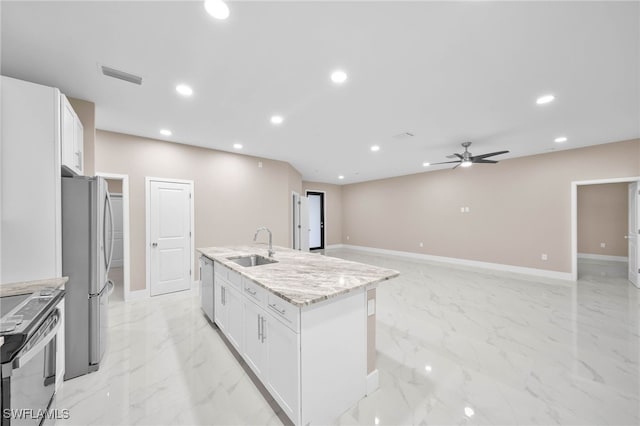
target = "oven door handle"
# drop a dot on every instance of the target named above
(23, 358)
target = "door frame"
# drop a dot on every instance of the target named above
(126, 264)
(147, 215)
(323, 217)
(574, 215)
(294, 196)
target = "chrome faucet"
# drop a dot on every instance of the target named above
(271, 252)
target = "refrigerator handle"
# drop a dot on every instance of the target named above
(112, 239)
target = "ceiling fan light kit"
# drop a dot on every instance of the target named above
(466, 159)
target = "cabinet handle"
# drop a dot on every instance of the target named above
(79, 156)
(259, 328)
(250, 291)
(275, 308)
(264, 335)
(224, 302)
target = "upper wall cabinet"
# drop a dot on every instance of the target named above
(71, 139)
(30, 181)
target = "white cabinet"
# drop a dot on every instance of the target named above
(283, 365)
(30, 176)
(60, 347)
(227, 307)
(71, 138)
(253, 349)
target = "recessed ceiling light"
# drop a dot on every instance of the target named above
(217, 8)
(340, 177)
(165, 132)
(560, 139)
(339, 76)
(184, 90)
(428, 368)
(466, 163)
(237, 145)
(375, 148)
(468, 411)
(425, 164)
(276, 119)
(545, 99)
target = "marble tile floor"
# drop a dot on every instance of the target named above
(455, 346)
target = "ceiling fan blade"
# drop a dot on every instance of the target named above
(454, 155)
(491, 154)
(484, 161)
(445, 162)
(456, 166)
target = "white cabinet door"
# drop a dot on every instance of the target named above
(283, 366)
(60, 347)
(254, 352)
(68, 133)
(233, 307)
(219, 310)
(78, 146)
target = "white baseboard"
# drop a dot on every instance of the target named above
(334, 246)
(465, 262)
(373, 381)
(136, 295)
(602, 257)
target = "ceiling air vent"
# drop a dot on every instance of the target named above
(403, 135)
(121, 75)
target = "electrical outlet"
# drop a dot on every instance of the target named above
(421, 245)
(260, 164)
(466, 209)
(603, 245)
(347, 238)
(461, 209)
(544, 256)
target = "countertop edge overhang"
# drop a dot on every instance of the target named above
(26, 287)
(301, 278)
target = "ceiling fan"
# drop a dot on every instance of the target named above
(466, 159)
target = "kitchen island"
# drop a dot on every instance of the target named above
(303, 322)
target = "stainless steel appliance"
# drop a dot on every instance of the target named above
(206, 286)
(87, 248)
(29, 325)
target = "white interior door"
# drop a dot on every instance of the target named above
(169, 237)
(118, 233)
(316, 220)
(632, 234)
(304, 223)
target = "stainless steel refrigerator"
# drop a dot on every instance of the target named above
(87, 248)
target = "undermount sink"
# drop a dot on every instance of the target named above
(251, 260)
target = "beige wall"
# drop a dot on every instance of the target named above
(87, 114)
(602, 218)
(115, 186)
(519, 208)
(333, 209)
(233, 196)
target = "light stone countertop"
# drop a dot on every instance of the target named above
(26, 287)
(301, 278)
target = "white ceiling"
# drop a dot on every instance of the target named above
(446, 72)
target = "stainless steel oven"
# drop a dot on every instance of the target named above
(29, 365)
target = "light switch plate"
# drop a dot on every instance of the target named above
(371, 307)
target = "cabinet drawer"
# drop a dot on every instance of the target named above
(287, 313)
(235, 279)
(254, 292)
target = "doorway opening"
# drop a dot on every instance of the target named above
(316, 219)
(119, 273)
(605, 222)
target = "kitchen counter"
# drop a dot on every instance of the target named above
(301, 278)
(26, 287)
